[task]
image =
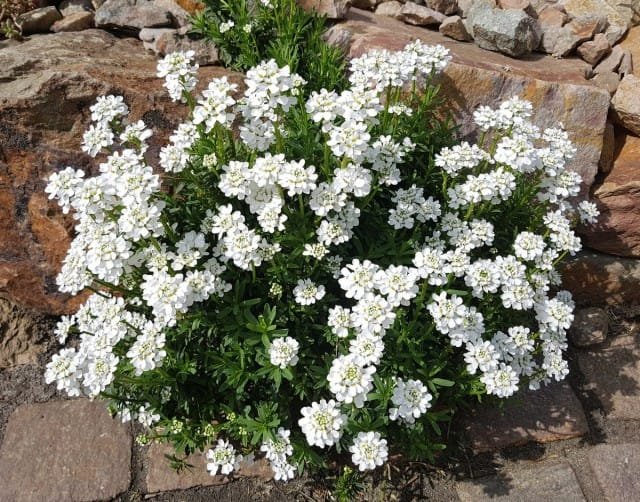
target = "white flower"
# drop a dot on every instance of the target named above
(222, 457)
(63, 369)
(226, 26)
(322, 423)
(284, 352)
(528, 246)
(412, 400)
(481, 355)
(97, 137)
(369, 450)
(147, 352)
(108, 108)
(339, 321)
(350, 379)
(358, 278)
(280, 448)
(588, 212)
(501, 381)
(368, 347)
(372, 314)
(307, 292)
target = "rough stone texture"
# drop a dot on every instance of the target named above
(609, 81)
(64, 450)
(389, 9)
(612, 375)
(76, 21)
(48, 84)
(152, 34)
(70, 6)
(132, 15)
(631, 43)
(590, 327)
(611, 62)
(616, 468)
(619, 19)
(523, 5)
(444, 6)
(160, 477)
(476, 77)
(21, 335)
(549, 414)
(552, 16)
(38, 20)
(333, 9)
(626, 104)
(453, 27)
(561, 41)
(534, 484)
(465, 6)
(608, 149)
(626, 64)
(420, 15)
(511, 32)
(205, 51)
(600, 279)
(594, 50)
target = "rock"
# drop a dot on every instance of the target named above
(616, 468)
(160, 477)
(41, 133)
(608, 81)
(626, 64)
(590, 327)
(611, 62)
(191, 6)
(476, 77)
(593, 51)
(553, 15)
(511, 32)
(626, 104)
(550, 414)
(453, 27)
(67, 7)
(612, 375)
(365, 4)
(64, 450)
(561, 41)
(465, 6)
(618, 22)
(333, 9)
(152, 34)
(179, 16)
(601, 279)
(618, 198)
(608, 149)
(390, 9)
(631, 43)
(22, 334)
(338, 37)
(523, 5)
(531, 484)
(38, 20)
(131, 16)
(76, 21)
(446, 7)
(419, 15)
(205, 51)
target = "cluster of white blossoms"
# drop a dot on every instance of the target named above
(162, 272)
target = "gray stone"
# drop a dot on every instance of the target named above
(205, 51)
(76, 21)
(511, 32)
(151, 34)
(38, 20)
(465, 6)
(550, 414)
(590, 326)
(533, 484)
(611, 62)
(418, 15)
(132, 15)
(626, 104)
(523, 5)
(616, 468)
(609, 81)
(453, 27)
(70, 6)
(333, 9)
(594, 50)
(21, 335)
(389, 9)
(64, 450)
(447, 7)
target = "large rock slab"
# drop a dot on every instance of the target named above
(48, 84)
(22, 335)
(476, 77)
(550, 414)
(612, 374)
(531, 484)
(618, 198)
(64, 450)
(616, 468)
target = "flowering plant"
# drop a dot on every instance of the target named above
(317, 273)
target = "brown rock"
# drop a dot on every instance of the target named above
(76, 21)
(191, 6)
(618, 21)
(524, 5)
(389, 9)
(22, 334)
(631, 43)
(626, 104)
(550, 414)
(616, 468)
(553, 16)
(206, 53)
(38, 20)
(453, 27)
(562, 41)
(590, 327)
(609, 81)
(594, 50)
(601, 279)
(531, 484)
(420, 15)
(618, 198)
(333, 9)
(612, 374)
(64, 450)
(338, 36)
(476, 77)
(611, 62)
(446, 7)
(626, 64)
(160, 477)
(42, 133)
(608, 149)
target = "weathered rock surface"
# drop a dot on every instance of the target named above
(389, 9)
(511, 32)
(167, 41)
(609, 81)
(626, 104)
(616, 469)
(76, 21)
(608, 149)
(549, 414)
(22, 334)
(590, 327)
(631, 44)
(419, 15)
(64, 450)
(333, 9)
(546, 482)
(611, 62)
(594, 50)
(48, 84)
(445, 6)
(38, 20)
(160, 477)
(619, 17)
(626, 64)
(132, 15)
(561, 41)
(454, 27)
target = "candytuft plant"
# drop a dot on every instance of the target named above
(315, 275)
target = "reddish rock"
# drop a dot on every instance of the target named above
(191, 6)
(64, 450)
(618, 19)
(44, 113)
(553, 16)
(419, 15)
(590, 327)
(389, 9)
(76, 21)
(608, 148)
(611, 62)
(626, 104)
(550, 414)
(609, 81)
(616, 467)
(446, 7)
(594, 50)
(333, 9)
(453, 27)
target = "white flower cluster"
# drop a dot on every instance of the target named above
(277, 451)
(223, 457)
